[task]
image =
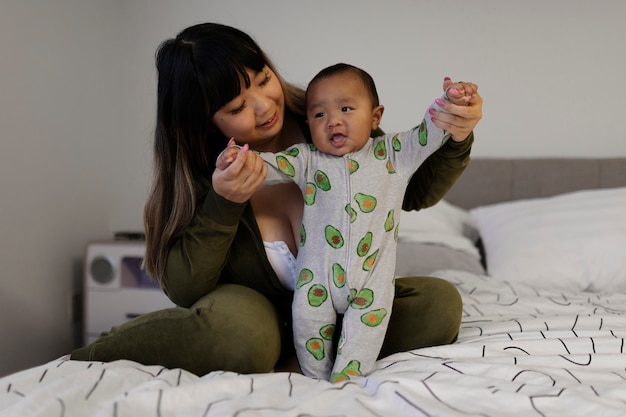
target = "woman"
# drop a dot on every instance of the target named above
(219, 241)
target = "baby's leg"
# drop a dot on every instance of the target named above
(314, 321)
(363, 331)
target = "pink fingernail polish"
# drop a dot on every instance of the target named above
(453, 91)
(245, 148)
(447, 79)
(432, 119)
(439, 102)
(431, 111)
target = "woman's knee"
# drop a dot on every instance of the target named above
(233, 328)
(426, 312)
(241, 330)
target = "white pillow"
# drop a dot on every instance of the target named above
(442, 224)
(574, 241)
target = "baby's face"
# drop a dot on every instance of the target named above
(340, 114)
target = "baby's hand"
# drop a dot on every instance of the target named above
(238, 173)
(460, 93)
(228, 155)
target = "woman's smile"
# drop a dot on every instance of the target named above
(270, 122)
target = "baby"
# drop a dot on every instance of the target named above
(353, 187)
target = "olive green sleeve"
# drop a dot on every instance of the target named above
(434, 178)
(195, 262)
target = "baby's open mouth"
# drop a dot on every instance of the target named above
(338, 140)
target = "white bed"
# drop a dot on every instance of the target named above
(546, 339)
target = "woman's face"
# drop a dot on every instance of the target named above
(256, 116)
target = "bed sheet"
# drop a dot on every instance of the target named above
(520, 352)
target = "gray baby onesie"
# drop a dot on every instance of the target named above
(348, 238)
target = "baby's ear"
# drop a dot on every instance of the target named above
(377, 115)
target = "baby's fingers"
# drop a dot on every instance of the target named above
(460, 93)
(228, 155)
(456, 93)
(470, 89)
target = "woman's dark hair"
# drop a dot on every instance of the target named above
(199, 71)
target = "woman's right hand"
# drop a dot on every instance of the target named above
(459, 121)
(239, 180)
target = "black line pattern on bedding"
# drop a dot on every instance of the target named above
(521, 351)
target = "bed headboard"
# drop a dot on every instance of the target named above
(494, 180)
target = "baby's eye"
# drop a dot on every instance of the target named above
(346, 109)
(319, 115)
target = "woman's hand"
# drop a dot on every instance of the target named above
(238, 173)
(459, 120)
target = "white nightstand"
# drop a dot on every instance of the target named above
(116, 288)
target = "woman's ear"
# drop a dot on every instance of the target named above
(377, 115)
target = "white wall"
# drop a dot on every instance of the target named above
(77, 105)
(60, 124)
(550, 71)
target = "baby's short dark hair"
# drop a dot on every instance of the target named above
(342, 68)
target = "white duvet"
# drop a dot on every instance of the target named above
(520, 352)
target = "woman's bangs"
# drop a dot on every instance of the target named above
(230, 76)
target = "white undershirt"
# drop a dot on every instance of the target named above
(283, 262)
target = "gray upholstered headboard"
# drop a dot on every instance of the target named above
(494, 180)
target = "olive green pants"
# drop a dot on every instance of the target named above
(237, 329)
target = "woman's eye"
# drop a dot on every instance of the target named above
(238, 109)
(266, 80)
